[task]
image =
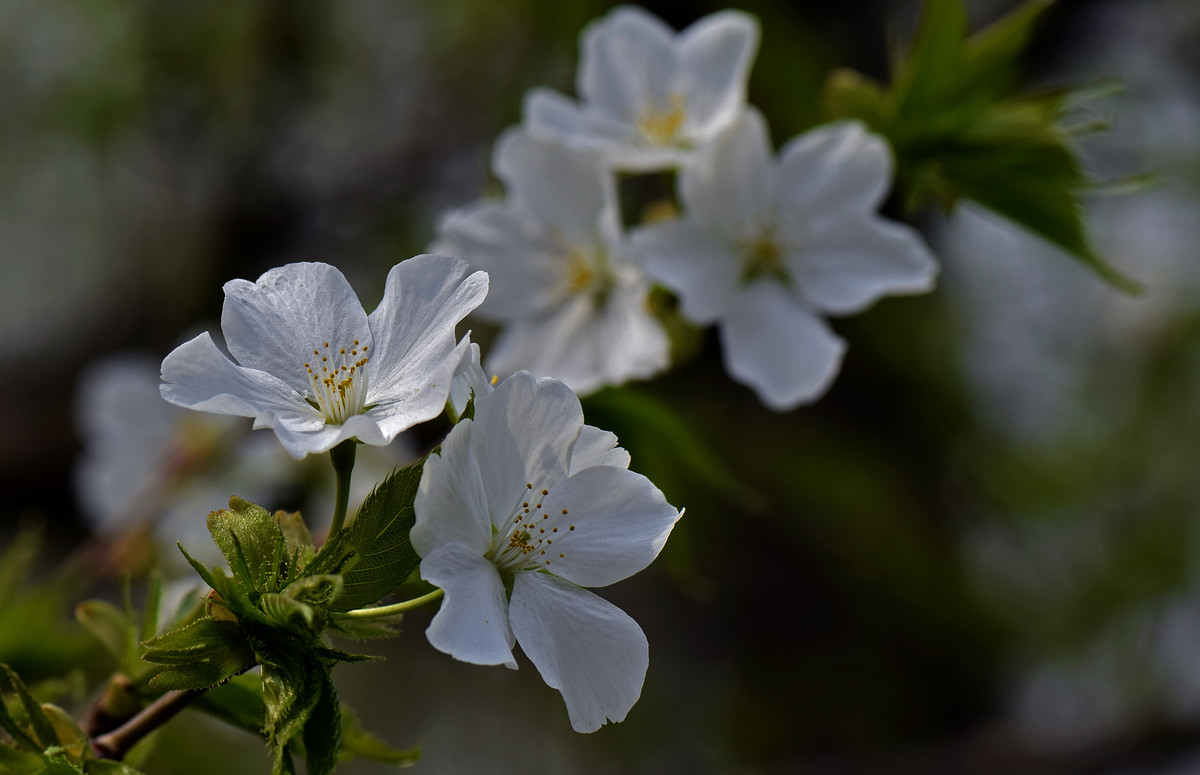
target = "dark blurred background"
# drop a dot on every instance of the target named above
(979, 553)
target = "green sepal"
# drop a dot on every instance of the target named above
(109, 767)
(199, 656)
(374, 553)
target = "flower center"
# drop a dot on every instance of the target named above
(660, 126)
(534, 537)
(762, 256)
(338, 380)
(586, 272)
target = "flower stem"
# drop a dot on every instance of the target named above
(117, 743)
(394, 608)
(343, 463)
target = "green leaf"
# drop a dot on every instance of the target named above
(297, 537)
(289, 613)
(20, 762)
(200, 655)
(961, 130)
(358, 742)
(378, 538)
(109, 767)
(70, 737)
(238, 702)
(43, 731)
(252, 542)
(323, 730)
(109, 625)
(54, 762)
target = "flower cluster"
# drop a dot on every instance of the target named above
(763, 247)
(521, 507)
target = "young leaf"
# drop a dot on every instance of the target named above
(960, 129)
(110, 625)
(358, 742)
(323, 730)
(70, 737)
(252, 542)
(15, 762)
(238, 702)
(379, 538)
(199, 656)
(43, 730)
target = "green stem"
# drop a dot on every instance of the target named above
(343, 463)
(394, 608)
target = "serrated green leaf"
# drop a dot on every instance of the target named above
(252, 542)
(55, 762)
(199, 656)
(43, 731)
(109, 625)
(992, 53)
(323, 730)
(379, 539)
(932, 73)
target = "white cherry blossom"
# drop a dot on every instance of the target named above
(523, 508)
(310, 363)
(649, 95)
(571, 300)
(766, 246)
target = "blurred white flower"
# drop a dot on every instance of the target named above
(524, 507)
(148, 464)
(649, 95)
(766, 246)
(572, 302)
(310, 363)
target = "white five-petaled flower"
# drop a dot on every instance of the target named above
(650, 95)
(572, 301)
(310, 363)
(523, 508)
(766, 246)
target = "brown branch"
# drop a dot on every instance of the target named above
(114, 745)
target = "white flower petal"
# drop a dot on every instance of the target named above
(776, 346)
(504, 242)
(584, 646)
(469, 380)
(472, 624)
(587, 345)
(702, 270)
(730, 186)
(835, 169)
(451, 505)
(415, 356)
(522, 434)
(197, 375)
(627, 60)
(855, 260)
(715, 55)
(274, 324)
(553, 116)
(596, 447)
(616, 523)
(563, 189)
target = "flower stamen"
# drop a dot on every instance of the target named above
(338, 380)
